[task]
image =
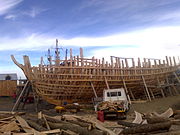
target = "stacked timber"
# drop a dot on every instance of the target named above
(79, 79)
(111, 106)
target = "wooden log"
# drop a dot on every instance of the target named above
(82, 124)
(177, 116)
(146, 128)
(152, 120)
(75, 128)
(25, 125)
(127, 124)
(175, 112)
(35, 125)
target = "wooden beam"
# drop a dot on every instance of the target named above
(106, 83)
(162, 92)
(93, 89)
(124, 83)
(18, 100)
(146, 88)
(176, 77)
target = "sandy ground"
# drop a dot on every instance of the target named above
(158, 105)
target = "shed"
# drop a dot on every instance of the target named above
(8, 84)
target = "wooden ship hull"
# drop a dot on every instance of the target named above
(79, 79)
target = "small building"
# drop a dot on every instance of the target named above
(8, 84)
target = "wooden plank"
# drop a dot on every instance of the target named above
(124, 83)
(93, 89)
(107, 85)
(25, 126)
(146, 88)
(18, 100)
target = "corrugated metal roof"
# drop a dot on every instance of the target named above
(11, 76)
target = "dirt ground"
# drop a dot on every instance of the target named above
(158, 105)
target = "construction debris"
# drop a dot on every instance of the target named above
(17, 123)
(155, 124)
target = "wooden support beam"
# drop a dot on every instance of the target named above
(132, 95)
(174, 61)
(162, 92)
(106, 83)
(176, 77)
(167, 61)
(93, 89)
(175, 90)
(124, 83)
(170, 61)
(20, 95)
(146, 88)
(167, 81)
(152, 93)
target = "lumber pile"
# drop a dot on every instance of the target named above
(41, 124)
(111, 106)
(151, 123)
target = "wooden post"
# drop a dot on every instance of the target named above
(174, 61)
(126, 91)
(167, 61)
(167, 81)
(146, 88)
(176, 92)
(126, 62)
(20, 95)
(170, 61)
(81, 56)
(152, 93)
(93, 89)
(162, 92)
(106, 82)
(176, 77)
(132, 95)
(139, 62)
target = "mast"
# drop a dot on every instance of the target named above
(57, 54)
(49, 58)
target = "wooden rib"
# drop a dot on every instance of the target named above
(72, 80)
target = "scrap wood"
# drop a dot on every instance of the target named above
(43, 132)
(77, 120)
(97, 124)
(40, 115)
(127, 124)
(146, 128)
(176, 112)
(36, 125)
(8, 112)
(75, 128)
(175, 122)
(47, 125)
(13, 126)
(68, 132)
(177, 116)
(25, 126)
(82, 124)
(138, 118)
(7, 118)
(156, 119)
(168, 113)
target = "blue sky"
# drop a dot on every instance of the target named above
(127, 28)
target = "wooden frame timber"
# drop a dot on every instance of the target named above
(79, 79)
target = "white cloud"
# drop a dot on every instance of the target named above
(7, 5)
(10, 17)
(34, 12)
(152, 42)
